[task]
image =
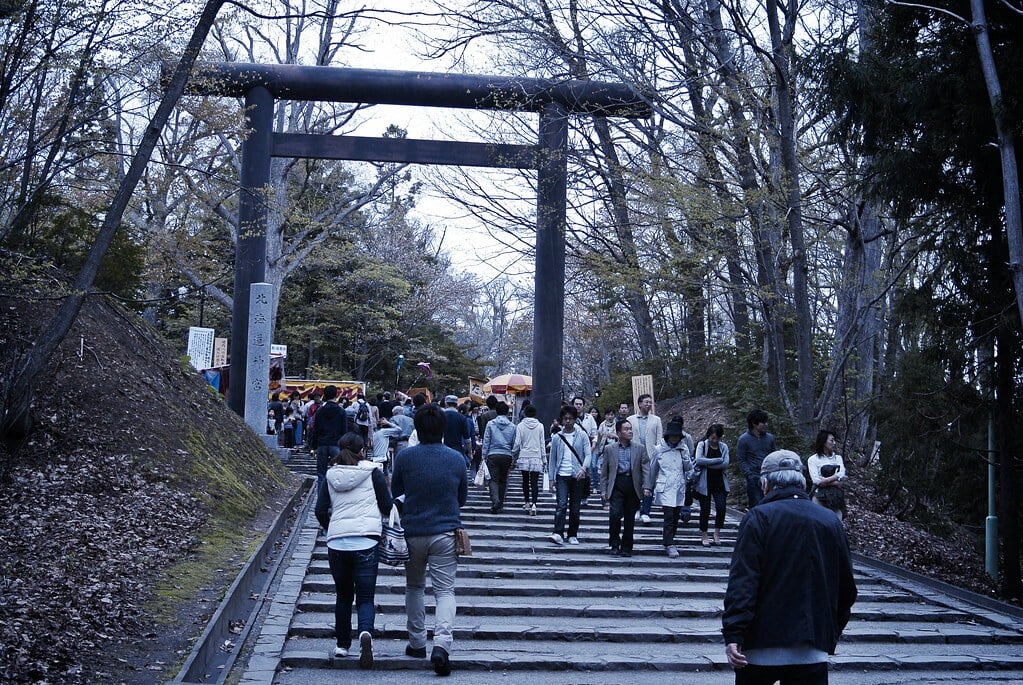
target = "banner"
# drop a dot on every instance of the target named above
(306, 388)
(642, 385)
(476, 393)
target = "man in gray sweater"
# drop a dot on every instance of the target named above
(753, 445)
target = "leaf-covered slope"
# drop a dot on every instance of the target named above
(134, 472)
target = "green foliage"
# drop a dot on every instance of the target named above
(64, 234)
(933, 462)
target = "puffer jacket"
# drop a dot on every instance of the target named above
(355, 502)
(499, 437)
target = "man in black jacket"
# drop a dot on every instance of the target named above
(331, 423)
(790, 585)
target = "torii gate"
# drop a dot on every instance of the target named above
(261, 85)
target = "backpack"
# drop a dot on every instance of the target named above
(363, 413)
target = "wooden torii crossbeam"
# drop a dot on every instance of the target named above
(554, 101)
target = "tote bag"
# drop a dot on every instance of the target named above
(392, 550)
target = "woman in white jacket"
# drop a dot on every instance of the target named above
(666, 481)
(350, 503)
(530, 452)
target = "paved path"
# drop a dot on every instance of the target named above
(530, 610)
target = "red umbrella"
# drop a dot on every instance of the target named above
(509, 382)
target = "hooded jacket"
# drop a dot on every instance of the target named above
(529, 438)
(498, 437)
(356, 497)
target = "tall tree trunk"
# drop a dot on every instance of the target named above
(20, 388)
(753, 196)
(1009, 463)
(781, 57)
(1007, 150)
(635, 293)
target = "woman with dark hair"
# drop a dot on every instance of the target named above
(531, 454)
(350, 503)
(827, 471)
(711, 462)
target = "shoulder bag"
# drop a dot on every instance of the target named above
(392, 550)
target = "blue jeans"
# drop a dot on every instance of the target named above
(753, 490)
(570, 496)
(355, 578)
(595, 472)
(323, 457)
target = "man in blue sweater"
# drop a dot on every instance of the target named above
(430, 481)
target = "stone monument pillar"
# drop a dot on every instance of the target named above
(257, 368)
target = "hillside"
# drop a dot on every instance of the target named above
(134, 502)
(871, 528)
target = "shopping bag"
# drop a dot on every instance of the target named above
(478, 480)
(392, 550)
(546, 481)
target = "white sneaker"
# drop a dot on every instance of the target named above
(532, 510)
(645, 518)
(340, 651)
(556, 539)
(573, 540)
(672, 551)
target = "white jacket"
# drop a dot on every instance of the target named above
(530, 439)
(353, 501)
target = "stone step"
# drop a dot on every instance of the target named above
(877, 609)
(531, 655)
(661, 630)
(527, 605)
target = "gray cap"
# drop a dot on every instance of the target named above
(781, 460)
(451, 399)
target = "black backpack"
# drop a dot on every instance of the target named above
(363, 413)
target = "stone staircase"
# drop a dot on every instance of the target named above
(528, 609)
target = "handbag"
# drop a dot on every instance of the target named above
(392, 550)
(463, 547)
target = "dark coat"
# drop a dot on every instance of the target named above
(791, 578)
(330, 424)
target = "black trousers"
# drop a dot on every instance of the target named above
(624, 504)
(801, 674)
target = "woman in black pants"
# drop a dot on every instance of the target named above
(711, 461)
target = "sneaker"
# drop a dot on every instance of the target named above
(672, 551)
(637, 515)
(645, 518)
(556, 539)
(365, 650)
(526, 506)
(573, 540)
(439, 659)
(532, 510)
(614, 551)
(626, 552)
(415, 652)
(340, 652)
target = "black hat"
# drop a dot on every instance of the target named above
(674, 428)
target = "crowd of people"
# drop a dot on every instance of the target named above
(422, 464)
